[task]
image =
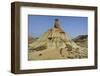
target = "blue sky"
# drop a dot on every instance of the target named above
(74, 26)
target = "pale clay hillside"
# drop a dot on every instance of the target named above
(56, 44)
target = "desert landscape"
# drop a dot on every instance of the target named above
(56, 44)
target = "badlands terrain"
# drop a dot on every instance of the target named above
(56, 44)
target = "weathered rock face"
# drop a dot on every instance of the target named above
(54, 42)
(81, 40)
(54, 38)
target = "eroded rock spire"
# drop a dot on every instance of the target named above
(57, 23)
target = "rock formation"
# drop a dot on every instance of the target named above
(55, 44)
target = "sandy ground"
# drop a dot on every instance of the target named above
(50, 54)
